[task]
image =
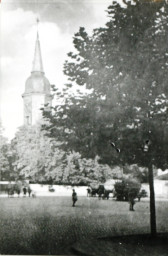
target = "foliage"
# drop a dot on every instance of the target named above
(37, 157)
(137, 172)
(142, 193)
(6, 168)
(40, 159)
(123, 65)
(82, 171)
(126, 187)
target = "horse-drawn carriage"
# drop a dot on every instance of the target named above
(99, 190)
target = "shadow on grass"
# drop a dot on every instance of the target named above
(145, 239)
(135, 245)
(49, 237)
(37, 236)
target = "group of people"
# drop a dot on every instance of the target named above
(29, 191)
(25, 190)
(18, 189)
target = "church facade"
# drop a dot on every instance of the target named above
(37, 90)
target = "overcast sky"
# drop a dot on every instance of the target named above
(59, 20)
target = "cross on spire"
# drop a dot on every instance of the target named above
(37, 20)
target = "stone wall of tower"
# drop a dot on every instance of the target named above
(38, 102)
(27, 102)
(32, 107)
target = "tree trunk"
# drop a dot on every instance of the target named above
(152, 201)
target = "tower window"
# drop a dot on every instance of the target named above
(27, 120)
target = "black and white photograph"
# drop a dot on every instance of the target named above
(84, 127)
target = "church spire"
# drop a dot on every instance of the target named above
(37, 62)
(37, 89)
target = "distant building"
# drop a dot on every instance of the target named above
(160, 172)
(37, 90)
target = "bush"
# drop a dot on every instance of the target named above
(126, 188)
(141, 194)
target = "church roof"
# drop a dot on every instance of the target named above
(37, 82)
(37, 62)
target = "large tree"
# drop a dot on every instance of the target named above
(36, 156)
(124, 65)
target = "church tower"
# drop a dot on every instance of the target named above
(37, 89)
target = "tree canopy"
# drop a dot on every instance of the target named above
(124, 67)
(39, 158)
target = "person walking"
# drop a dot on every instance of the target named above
(18, 191)
(74, 197)
(29, 190)
(88, 191)
(131, 199)
(24, 191)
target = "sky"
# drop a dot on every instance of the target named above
(59, 20)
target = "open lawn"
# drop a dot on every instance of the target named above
(50, 225)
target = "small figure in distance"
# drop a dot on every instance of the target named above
(131, 198)
(17, 187)
(18, 191)
(74, 197)
(88, 191)
(29, 190)
(24, 191)
(9, 187)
